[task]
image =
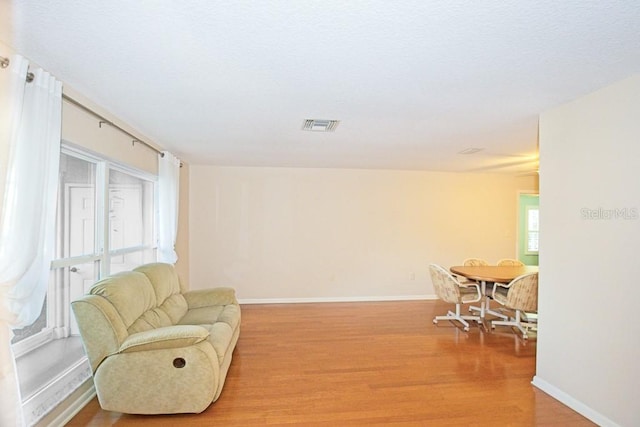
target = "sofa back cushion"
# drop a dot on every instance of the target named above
(171, 304)
(130, 293)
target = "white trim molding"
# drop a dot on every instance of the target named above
(572, 403)
(44, 401)
(70, 407)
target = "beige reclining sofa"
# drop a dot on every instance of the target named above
(155, 348)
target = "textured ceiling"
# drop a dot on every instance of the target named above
(412, 82)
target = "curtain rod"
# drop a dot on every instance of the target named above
(4, 63)
(104, 120)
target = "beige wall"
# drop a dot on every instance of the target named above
(588, 342)
(296, 234)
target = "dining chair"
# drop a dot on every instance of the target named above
(510, 262)
(471, 262)
(450, 290)
(505, 262)
(520, 295)
(487, 303)
(474, 262)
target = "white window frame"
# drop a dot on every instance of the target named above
(58, 307)
(529, 231)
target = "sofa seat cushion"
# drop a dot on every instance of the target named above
(229, 314)
(220, 337)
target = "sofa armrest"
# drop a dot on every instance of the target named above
(210, 297)
(162, 338)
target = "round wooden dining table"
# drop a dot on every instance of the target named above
(484, 274)
(493, 273)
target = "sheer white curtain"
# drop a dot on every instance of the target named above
(168, 198)
(27, 218)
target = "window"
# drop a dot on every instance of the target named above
(105, 224)
(131, 233)
(532, 230)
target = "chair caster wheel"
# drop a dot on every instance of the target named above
(435, 321)
(466, 329)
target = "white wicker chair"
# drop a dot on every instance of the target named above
(508, 261)
(449, 289)
(520, 295)
(474, 261)
(464, 281)
(487, 302)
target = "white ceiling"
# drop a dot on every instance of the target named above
(413, 82)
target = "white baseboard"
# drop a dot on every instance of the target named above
(56, 391)
(336, 299)
(572, 403)
(70, 407)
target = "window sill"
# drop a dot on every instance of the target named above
(49, 374)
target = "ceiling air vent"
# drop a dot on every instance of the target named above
(316, 125)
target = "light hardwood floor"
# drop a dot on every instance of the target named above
(378, 363)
